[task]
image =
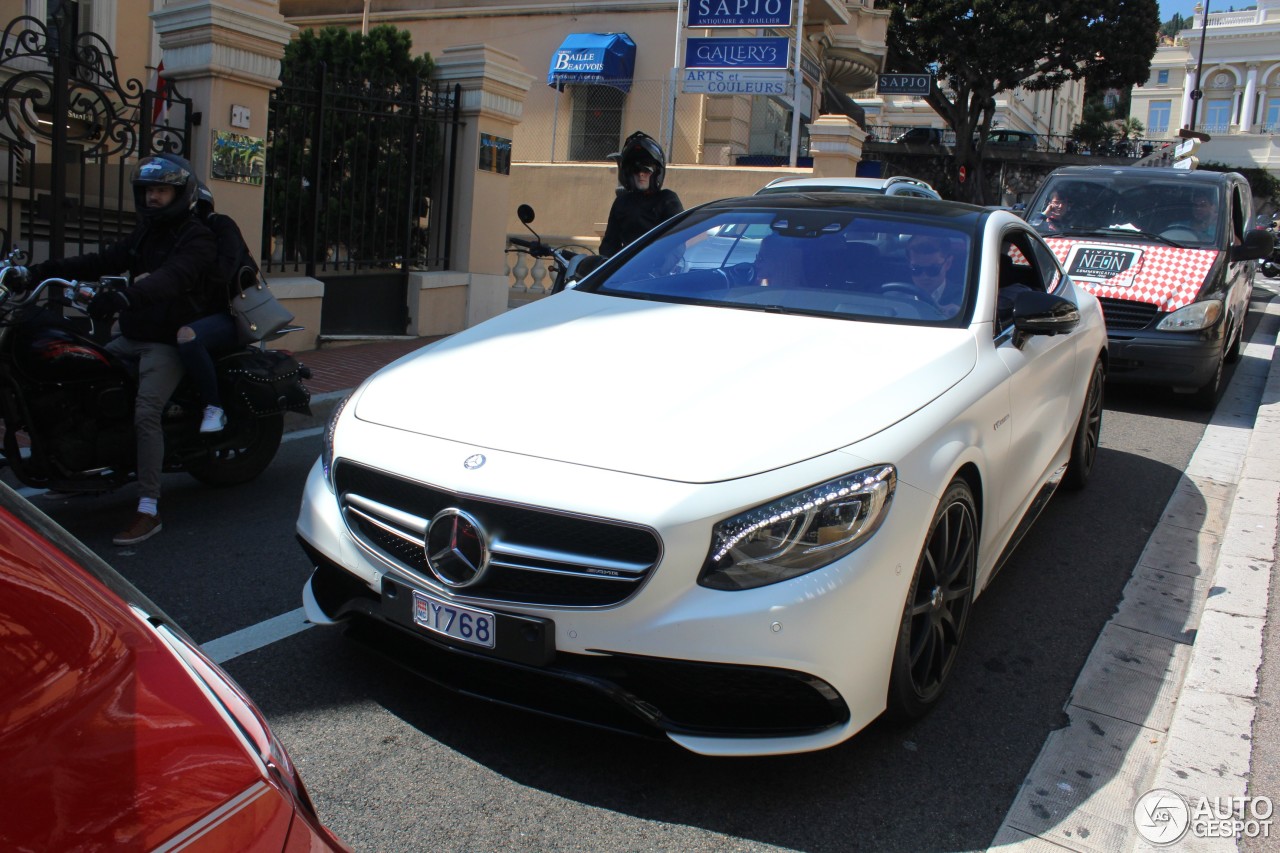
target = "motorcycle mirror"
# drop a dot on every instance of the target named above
(525, 212)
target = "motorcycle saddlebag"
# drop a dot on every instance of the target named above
(264, 382)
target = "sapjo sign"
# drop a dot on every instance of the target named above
(904, 84)
(740, 13)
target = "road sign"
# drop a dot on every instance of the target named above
(1186, 148)
(1188, 164)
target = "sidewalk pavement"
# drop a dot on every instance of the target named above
(1167, 697)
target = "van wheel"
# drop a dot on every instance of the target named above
(937, 606)
(1233, 351)
(1206, 396)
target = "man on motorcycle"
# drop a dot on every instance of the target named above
(169, 255)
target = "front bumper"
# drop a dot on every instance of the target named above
(1177, 359)
(796, 666)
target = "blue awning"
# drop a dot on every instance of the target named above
(607, 59)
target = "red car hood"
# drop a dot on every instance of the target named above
(1165, 276)
(108, 742)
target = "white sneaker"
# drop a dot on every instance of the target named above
(214, 419)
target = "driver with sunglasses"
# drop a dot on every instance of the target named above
(930, 264)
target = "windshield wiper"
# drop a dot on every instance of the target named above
(1111, 232)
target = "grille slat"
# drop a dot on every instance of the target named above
(1121, 314)
(539, 557)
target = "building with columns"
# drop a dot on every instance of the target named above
(1240, 69)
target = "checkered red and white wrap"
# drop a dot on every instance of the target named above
(1161, 275)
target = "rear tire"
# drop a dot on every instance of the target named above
(937, 607)
(1084, 447)
(259, 440)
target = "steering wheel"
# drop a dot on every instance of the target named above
(1180, 233)
(740, 274)
(906, 288)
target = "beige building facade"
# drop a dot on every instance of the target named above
(1240, 107)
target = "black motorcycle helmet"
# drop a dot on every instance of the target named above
(164, 170)
(641, 149)
(204, 201)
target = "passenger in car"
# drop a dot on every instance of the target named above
(779, 261)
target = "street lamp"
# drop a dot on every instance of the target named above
(1198, 92)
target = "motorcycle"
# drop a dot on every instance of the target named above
(66, 404)
(1271, 266)
(569, 266)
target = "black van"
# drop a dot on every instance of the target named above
(1170, 255)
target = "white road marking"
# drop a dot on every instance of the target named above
(257, 636)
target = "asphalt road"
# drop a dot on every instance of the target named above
(395, 763)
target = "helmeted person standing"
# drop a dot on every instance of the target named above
(641, 202)
(168, 255)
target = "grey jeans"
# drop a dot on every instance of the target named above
(159, 371)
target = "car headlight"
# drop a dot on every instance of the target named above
(326, 450)
(1193, 317)
(798, 533)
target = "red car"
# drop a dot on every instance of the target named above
(116, 731)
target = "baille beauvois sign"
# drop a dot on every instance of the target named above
(740, 13)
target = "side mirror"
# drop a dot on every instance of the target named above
(1257, 245)
(525, 213)
(1038, 313)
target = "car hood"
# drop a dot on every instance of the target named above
(1168, 277)
(679, 392)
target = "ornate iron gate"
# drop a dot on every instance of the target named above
(70, 131)
(358, 193)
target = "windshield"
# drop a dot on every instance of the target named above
(863, 265)
(1140, 207)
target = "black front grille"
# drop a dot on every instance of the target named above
(539, 557)
(1123, 315)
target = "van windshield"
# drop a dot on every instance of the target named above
(1142, 207)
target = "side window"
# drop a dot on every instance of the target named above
(1025, 263)
(1239, 214)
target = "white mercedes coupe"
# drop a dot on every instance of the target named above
(739, 487)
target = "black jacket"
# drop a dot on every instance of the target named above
(177, 257)
(633, 213)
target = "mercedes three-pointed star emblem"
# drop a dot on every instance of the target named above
(457, 548)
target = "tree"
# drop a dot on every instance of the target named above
(344, 189)
(980, 48)
(1175, 25)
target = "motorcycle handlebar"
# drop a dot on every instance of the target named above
(538, 250)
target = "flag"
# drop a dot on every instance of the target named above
(160, 106)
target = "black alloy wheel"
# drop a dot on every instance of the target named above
(937, 606)
(1084, 448)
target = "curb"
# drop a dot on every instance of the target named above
(1166, 696)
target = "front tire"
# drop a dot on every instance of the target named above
(255, 447)
(1084, 447)
(937, 607)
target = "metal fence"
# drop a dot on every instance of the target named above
(70, 131)
(1056, 143)
(357, 175)
(557, 135)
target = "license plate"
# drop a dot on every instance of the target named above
(467, 624)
